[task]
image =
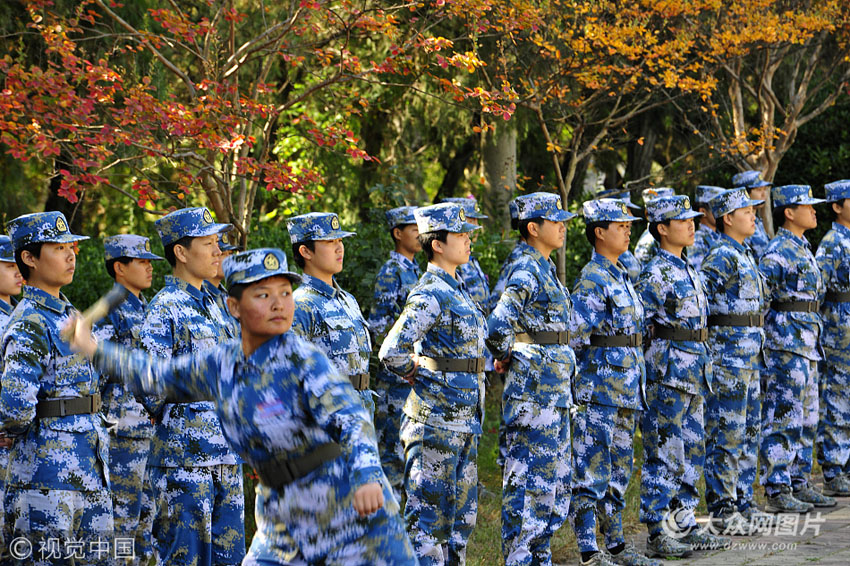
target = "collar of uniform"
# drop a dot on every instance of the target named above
(677, 261)
(210, 289)
(841, 229)
(444, 275)
(184, 286)
(535, 253)
(45, 299)
(784, 232)
(5, 308)
(704, 228)
(613, 269)
(320, 286)
(734, 243)
(137, 303)
(263, 353)
(406, 263)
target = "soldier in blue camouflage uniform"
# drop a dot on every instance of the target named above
(646, 245)
(607, 335)
(215, 288)
(737, 297)
(473, 277)
(791, 355)
(325, 314)
(322, 497)
(505, 270)
(196, 478)
(57, 481)
(678, 370)
(833, 257)
(528, 333)
(628, 259)
(757, 188)
(438, 344)
(394, 281)
(706, 234)
(128, 261)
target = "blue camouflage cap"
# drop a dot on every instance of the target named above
(606, 210)
(749, 180)
(837, 190)
(128, 245)
(730, 200)
(705, 193)
(227, 242)
(627, 199)
(188, 222)
(470, 206)
(400, 216)
(49, 227)
(7, 252)
(541, 205)
(444, 216)
(655, 192)
(677, 207)
(512, 209)
(787, 195)
(253, 265)
(315, 226)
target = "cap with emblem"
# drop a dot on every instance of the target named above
(707, 192)
(227, 242)
(541, 205)
(128, 245)
(444, 216)
(188, 222)
(837, 190)
(677, 207)
(470, 206)
(730, 200)
(50, 227)
(627, 199)
(749, 180)
(788, 195)
(401, 216)
(606, 210)
(655, 192)
(315, 226)
(7, 252)
(253, 265)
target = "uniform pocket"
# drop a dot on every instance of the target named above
(339, 335)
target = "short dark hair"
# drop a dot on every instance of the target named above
(589, 230)
(296, 255)
(400, 227)
(236, 290)
(34, 249)
(653, 229)
(719, 225)
(426, 239)
(522, 226)
(779, 215)
(514, 224)
(703, 205)
(110, 264)
(185, 241)
(840, 203)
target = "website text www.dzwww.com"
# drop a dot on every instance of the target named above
(771, 546)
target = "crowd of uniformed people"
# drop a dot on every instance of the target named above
(726, 349)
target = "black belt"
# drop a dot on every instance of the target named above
(470, 365)
(278, 473)
(544, 337)
(684, 334)
(360, 381)
(736, 320)
(85, 405)
(616, 341)
(795, 306)
(838, 296)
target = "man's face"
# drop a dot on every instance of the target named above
(138, 274)
(55, 265)
(202, 257)
(265, 309)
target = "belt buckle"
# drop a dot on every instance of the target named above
(61, 407)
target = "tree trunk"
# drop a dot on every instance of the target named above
(499, 163)
(455, 167)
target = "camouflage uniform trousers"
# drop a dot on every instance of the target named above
(673, 450)
(726, 438)
(535, 480)
(441, 484)
(128, 458)
(603, 456)
(748, 460)
(57, 527)
(200, 514)
(834, 428)
(789, 420)
(145, 548)
(392, 393)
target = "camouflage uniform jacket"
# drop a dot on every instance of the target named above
(182, 319)
(504, 273)
(219, 295)
(704, 239)
(65, 453)
(5, 312)
(394, 281)
(759, 240)
(605, 302)
(534, 300)
(833, 257)
(122, 325)
(475, 283)
(331, 319)
(734, 285)
(440, 319)
(673, 296)
(631, 265)
(646, 247)
(792, 274)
